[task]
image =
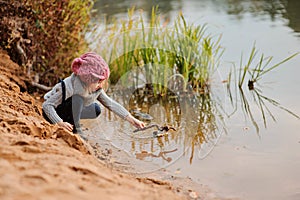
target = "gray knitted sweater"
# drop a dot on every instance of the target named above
(74, 85)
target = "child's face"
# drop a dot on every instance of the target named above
(96, 86)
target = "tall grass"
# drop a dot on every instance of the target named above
(183, 48)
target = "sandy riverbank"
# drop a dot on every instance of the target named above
(43, 161)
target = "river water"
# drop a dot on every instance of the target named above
(244, 159)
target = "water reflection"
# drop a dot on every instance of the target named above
(275, 9)
(293, 14)
(109, 10)
(144, 154)
(262, 104)
(197, 119)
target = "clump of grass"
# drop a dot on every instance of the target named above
(254, 73)
(257, 71)
(183, 48)
(197, 53)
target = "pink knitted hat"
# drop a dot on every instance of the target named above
(90, 67)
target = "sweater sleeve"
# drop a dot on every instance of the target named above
(52, 99)
(112, 105)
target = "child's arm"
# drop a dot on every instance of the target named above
(52, 99)
(119, 110)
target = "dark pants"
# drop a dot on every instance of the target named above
(72, 110)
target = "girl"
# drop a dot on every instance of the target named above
(74, 98)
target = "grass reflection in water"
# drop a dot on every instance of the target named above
(196, 118)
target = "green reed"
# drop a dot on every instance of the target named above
(253, 72)
(258, 70)
(183, 48)
(263, 67)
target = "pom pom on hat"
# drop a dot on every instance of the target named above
(90, 67)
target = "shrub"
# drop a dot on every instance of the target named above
(44, 36)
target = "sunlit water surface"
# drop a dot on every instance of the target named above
(237, 160)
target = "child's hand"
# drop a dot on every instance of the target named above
(66, 125)
(139, 124)
(135, 122)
